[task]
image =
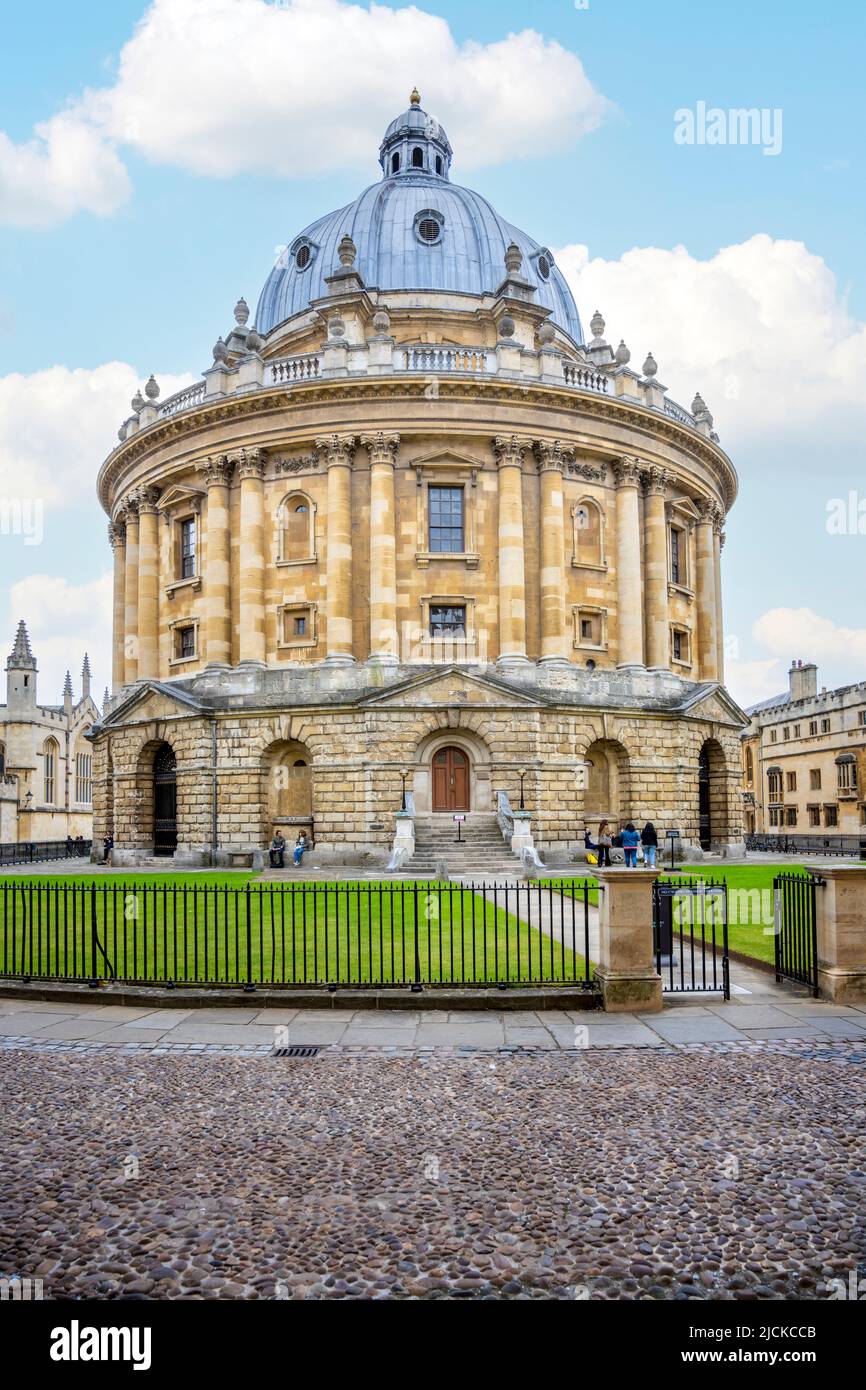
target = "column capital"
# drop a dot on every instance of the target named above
(339, 449)
(719, 521)
(626, 472)
(251, 463)
(117, 532)
(655, 481)
(552, 455)
(509, 450)
(129, 508)
(217, 471)
(147, 498)
(722, 538)
(381, 447)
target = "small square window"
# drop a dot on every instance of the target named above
(447, 620)
(815, 779)
(300, 626)
(185, 642)
(790, 815)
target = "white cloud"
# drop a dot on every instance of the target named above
(750, 682)
(222, 87)
(760, 329)
(64, 621)
(67, 167)
(802, 633)
(57, 425)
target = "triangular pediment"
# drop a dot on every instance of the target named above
(152, 701)
(181, 494)
(713, 702)
(452, 688)
(446, 457)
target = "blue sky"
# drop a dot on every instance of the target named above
(152, 282)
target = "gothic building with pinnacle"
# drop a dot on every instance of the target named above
(412, 530)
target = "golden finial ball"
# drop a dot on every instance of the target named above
(415, 97)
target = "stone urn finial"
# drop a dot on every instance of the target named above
(138, 402)
(151, 390)
(220, 351)
(513, 258)
(242, 312)
(382, 321)
(505, 327)
(650, 366)
(596, 325)
(699, 405)
(623, 356)
(255, 342)
(347, 250)
(546, 333)
(336, 326)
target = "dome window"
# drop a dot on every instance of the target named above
(544, 267)
(417, 158)
(428, 226)
(302, 256)
(395, 163)
(438, 164)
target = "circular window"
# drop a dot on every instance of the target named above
(429, 229)
(302, 257)
(544, 267)
(590, 665)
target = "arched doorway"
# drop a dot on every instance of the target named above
(606, 783)
(705, 825)
(450, 779)
(164, 801)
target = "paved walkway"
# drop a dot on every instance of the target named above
(705, 1019)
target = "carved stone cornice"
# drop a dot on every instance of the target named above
(655, 481)
(627, 472)
(217, 470)
(508, 450)
(251, 464)
(552, 455)
(381, 447)
(339, 449)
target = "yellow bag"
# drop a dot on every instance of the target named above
(591, 859)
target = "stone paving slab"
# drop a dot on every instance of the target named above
(705, 1028)
(799, 1030)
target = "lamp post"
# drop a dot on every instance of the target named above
(403, 775)
(521, 774)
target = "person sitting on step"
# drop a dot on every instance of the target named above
(277, 850)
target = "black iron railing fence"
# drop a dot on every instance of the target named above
(795, 934)
(808, 844)
(690, 928)
(376, 934)
(39, 851)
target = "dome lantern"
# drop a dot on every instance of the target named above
(415, 145)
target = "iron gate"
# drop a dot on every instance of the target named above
(795, 932)
(690, 936)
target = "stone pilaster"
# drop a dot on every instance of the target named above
(130, 592)
(551, 459)
(509, 451)
(706, 595)
(117, 540)
(840, 928)
(218, 615)
(718, 546)
(656, 570)
(148, 584)
(627, 968)
(627, 473)
(339, 451)
(384, 643)
(251, 610)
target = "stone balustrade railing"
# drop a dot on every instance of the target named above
(377, 358)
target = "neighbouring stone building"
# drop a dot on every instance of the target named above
(804, 760)
(413, 530)
(46, 759)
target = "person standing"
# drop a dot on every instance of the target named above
(630, 842)
(650, 841)
(604, 844)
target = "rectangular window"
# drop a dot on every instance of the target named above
(796, 731)
(786, 733)
(50, 774)
(790, 815)
(831, 816)
(825, 726)
(863, 716)
(775, 786)
(446, 520)
(791, 781)
(813, 726)
(187, 549)
(586, 629)
(772, 735)
(447, 620)
(846, 776)
(84, 777)
(300, 627)
(185, 642)
(815, 779)
(677, 570)
(680, 650)
(776, 815)
(814, 815)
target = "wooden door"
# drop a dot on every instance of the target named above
(450, 780)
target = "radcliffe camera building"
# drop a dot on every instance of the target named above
(414, 528)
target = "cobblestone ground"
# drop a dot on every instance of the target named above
(690, 1173)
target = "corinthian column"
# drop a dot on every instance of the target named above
(251, 614)
(718, 546)
(117, 539)
(707, 616)
(218, 611)
(656, 571)
(628, 554)
(382, 449)
(551, 458)
(339, 451)
(130, 594)
(509, 451)
(148, 584)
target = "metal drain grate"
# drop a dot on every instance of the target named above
(295, 1052)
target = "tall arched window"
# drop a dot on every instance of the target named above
(296, 529)
(417, 158)
(395, 163)
(50, 754)
(588, 533)
(750, 767)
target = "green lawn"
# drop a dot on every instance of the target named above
(225, 929)
(750, 903)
